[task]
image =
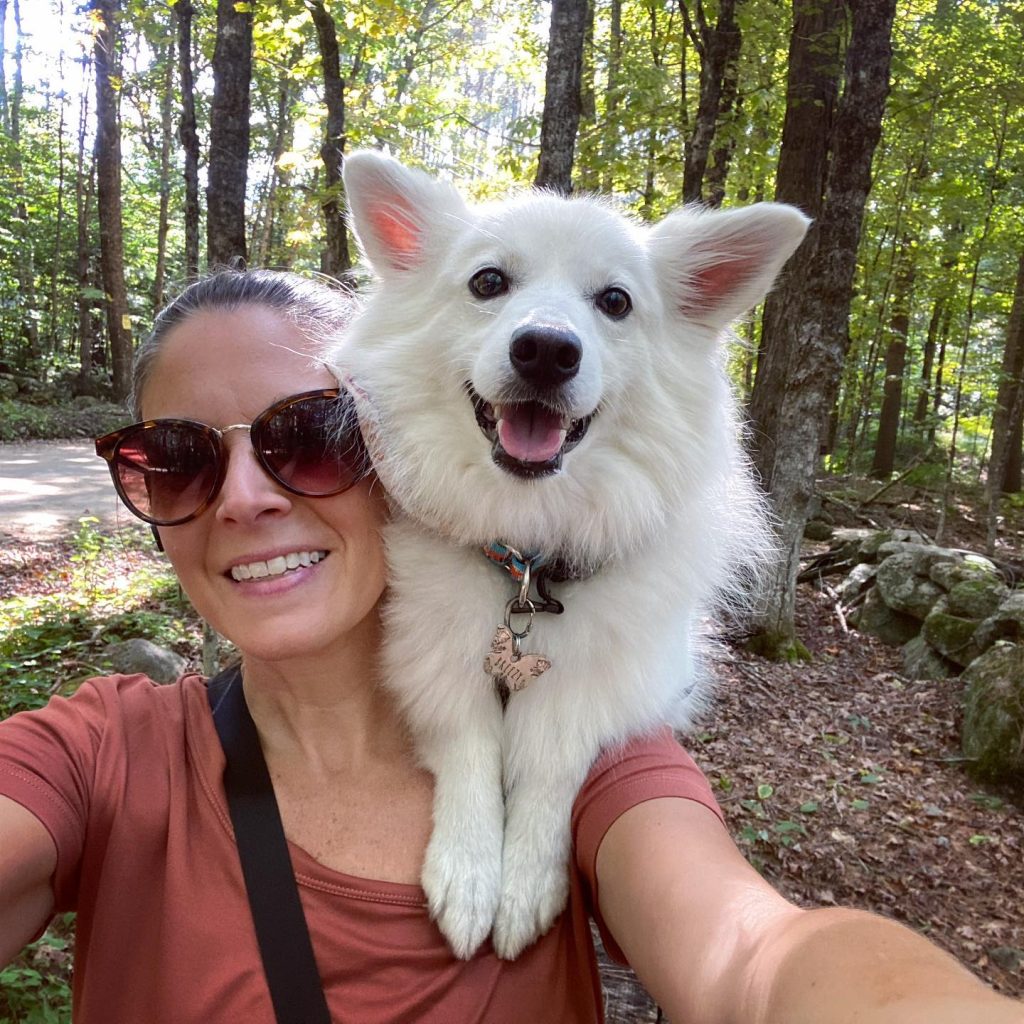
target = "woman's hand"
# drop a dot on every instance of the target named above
(28, 859)
(715, 944)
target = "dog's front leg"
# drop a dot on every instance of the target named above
(544, 771)
(462, 869)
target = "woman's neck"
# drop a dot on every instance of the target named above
(326, 709)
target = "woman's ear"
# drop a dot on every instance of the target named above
(156, 537)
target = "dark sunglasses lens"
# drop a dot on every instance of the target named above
(313, 445)
(167, 472)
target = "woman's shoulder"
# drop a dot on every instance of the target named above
(646, 767)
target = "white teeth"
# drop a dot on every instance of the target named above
(561, 438)
(276, 566)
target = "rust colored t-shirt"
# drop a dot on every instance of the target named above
(126, 777)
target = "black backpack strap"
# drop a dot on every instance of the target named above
(281, 930)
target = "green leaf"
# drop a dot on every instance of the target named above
(859, 805)
(764, 791)
(810, 807)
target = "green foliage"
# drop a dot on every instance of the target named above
(53, 639)
(21, 421)
(35, 988)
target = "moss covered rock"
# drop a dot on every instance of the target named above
(878, 619)
(902, 589)
(922, 661)
(978, 598)
(1006, 623)
(993, 729)
(951, 635)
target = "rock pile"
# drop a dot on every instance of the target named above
(954, 614)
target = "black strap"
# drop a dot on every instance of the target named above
(285, 946)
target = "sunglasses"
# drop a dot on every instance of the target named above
(169, 471)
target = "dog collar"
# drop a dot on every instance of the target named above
(541, 569)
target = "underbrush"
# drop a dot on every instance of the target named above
(107, 590)
(23, 421)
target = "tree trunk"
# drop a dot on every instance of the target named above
(1006, 419)
(561, 117)
(183, 11)
(108, 187)
(895, 364)
(819, 307)
(719, 51)
(335, 259)
(612, 96)
(928, 364)
(84, 184)
(166, 129)
(228, 164)
(815, 67)
(25, 257)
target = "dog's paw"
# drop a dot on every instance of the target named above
(532, 897)
(463, 887)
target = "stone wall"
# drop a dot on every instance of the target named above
(954, 615)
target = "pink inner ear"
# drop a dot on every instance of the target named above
(398, 233)
(712, 283)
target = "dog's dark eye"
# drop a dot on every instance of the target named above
(488, 283)
(614, 302)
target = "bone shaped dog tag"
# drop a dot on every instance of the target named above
(511, 669)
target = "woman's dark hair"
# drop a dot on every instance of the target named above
(319, 308)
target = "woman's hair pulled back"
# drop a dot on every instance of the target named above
(319, 308)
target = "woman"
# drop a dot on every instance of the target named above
(111, 803)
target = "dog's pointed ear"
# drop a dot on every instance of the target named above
(395, 210)
(719, 264)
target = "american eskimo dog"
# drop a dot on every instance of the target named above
(541, 385)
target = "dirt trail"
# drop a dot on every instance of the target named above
(46, 486)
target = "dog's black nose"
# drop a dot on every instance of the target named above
(545, 355)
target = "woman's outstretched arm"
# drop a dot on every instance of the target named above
(28, 858)
(716, 944)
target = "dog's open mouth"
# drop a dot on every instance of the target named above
(527, 438)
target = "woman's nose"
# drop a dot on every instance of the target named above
(248, 491)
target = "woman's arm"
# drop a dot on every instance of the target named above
(28, 858)
(715, 944)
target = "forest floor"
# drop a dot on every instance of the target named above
(842, 781)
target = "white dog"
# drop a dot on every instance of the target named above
(546, 376)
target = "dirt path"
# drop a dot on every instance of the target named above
(47, 486)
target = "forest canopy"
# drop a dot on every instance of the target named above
(143, 142)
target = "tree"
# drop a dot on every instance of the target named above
(335, 259)
(818, 308)
(1004, 464)
(812, 88)
(895, 363)
(719, 52)
(108, 190)
(183, 13)
(228, 165)
(562, 94)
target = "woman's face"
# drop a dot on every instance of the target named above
(224, 367)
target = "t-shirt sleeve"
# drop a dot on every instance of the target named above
(645, 768)
(48, 765)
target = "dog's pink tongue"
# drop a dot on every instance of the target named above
(530, 432)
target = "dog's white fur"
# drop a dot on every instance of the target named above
(656, 502)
